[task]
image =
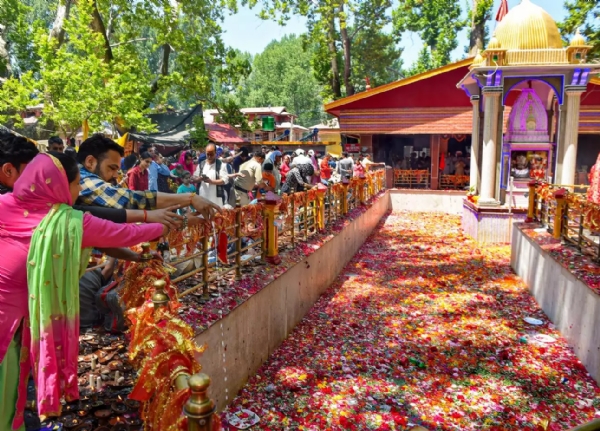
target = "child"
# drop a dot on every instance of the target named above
(186, 187)
(268, 179)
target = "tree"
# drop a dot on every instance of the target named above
(377, 57)
(585, 16)
(281, 76)
(480, 14)
(333, 28)
(436, 21)
(115, 60)
(424, 62)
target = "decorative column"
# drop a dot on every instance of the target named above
(272, 202)
(321, 191)
(567, 149)
(435, 160)
(345, 184)
(475, 178)
(487, 194)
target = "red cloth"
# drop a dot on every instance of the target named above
(284, 169)
(502, 10)
(138, 180)
(442, 161)
(326, 170)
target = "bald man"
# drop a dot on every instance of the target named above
(211, 175)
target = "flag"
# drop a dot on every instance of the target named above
(502, 10)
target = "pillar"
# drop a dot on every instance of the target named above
(487, 194)
(569, 132)
(272, 202)
(475, 178)
(321, 191)
(435, 160)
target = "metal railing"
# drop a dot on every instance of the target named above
(408, 178)
(297, 217)
(566, 215)
(454, 182)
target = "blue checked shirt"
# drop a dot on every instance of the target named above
(96, 191)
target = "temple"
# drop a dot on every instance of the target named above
(525, 108)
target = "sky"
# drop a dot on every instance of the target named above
(246, 32)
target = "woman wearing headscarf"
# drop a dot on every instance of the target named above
(274, 158)
(187, 161)
(285, 168)
(45, 245)
(298, 178)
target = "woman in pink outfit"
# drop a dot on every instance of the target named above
(593, 193)
(43, 242)
(187, 161)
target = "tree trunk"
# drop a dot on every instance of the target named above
(477, 37)
(98, 26)
(163, 67)
(4, 56)
(58, 27)
(335, 72)
(347, 58)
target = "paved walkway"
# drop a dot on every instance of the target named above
(422, 327)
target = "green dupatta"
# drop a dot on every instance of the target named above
(55, 264)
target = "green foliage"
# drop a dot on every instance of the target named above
(585, 16)
(198, 133)
(17, 18)
(281, 76)
(377, 56)
(479, 15)
(120, 59)
(346, 39)
(437, 22)
(423, 64)
(229, 113)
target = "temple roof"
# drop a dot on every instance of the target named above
(434, 88)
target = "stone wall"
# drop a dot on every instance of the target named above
(445, 201)
(250, 333)
(571, 305)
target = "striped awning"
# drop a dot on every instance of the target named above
(589, 119)
(434, 121)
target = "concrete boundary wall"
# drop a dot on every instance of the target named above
(415, 200)
(250, 333)
(571, 305)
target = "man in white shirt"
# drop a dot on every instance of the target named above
(300, 159)
(212, 176)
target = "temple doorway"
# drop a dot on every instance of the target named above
(399, 151)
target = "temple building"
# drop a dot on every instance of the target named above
(526, 108)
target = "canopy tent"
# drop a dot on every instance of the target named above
(173, 128)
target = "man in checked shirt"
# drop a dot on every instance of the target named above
(99, 163)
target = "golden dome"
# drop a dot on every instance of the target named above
(578, 40)
(528, 26)
(494, 43)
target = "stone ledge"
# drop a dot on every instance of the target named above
(571, 305)
(254, 329)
